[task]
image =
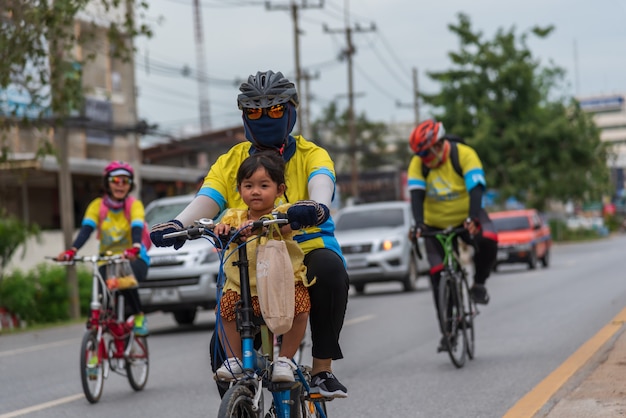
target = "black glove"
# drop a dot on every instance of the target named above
(307, 213)
(157, 231)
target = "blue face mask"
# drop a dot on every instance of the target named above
(270, 133)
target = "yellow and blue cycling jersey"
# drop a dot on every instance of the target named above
(115, 231)
(447, 193)
(308, 161)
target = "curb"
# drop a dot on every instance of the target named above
(569, 374)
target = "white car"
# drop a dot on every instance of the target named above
(374, 240)
(179, 281)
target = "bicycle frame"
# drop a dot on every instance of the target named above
(109, 336)
(108, 315)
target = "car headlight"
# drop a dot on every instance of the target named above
(388, 244)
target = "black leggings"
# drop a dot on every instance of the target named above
(131, 296)
(329, 299)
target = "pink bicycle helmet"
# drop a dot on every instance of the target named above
(118, 168)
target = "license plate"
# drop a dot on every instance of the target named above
(503, 255)
(165, 295)
(356, 263)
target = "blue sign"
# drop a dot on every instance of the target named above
(16, 101)
(602, 103)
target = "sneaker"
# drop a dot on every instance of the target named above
(326, 384)
(231, 369)
(141, 325)
(443, 344)
(479, 294)
(282, 370)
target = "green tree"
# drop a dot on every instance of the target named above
(36, 60)
(535, 145)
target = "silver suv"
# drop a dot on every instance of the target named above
(374, 240)
(179, 281)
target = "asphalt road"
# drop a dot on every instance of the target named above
(534, 322)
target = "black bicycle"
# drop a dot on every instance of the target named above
(456, 309)
(244, 398)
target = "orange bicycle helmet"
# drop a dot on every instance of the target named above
(425, 135)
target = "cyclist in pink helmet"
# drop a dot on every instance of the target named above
(118, 219)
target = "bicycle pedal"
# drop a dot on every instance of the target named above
(318, 397)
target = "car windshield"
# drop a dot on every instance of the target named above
(377, 218)
(512, 223)
(164, 213)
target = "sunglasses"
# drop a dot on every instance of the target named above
(274, 112)
(120, 180)
(434, 149)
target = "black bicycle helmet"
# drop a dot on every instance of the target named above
(266, 89)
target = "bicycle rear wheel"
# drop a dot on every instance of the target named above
(237, 403)
(91, 367)
(137, 363)
(450, 314)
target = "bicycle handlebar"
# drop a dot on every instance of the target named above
(448, 231)
(204, 226)
(88, 259)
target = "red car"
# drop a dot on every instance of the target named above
(523, 237)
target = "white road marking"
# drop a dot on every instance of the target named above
(37, 348)
(355, 320)
(42, 406)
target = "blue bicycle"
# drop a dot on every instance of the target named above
(245, 396)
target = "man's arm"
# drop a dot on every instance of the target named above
(200, 207)
(321, 188)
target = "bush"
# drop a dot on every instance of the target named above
(42, 294)
(13, 233)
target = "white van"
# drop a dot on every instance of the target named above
(179, 281)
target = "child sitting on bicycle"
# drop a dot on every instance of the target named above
(261, 184)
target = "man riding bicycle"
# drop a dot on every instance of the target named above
(446, 182)
(268, 103)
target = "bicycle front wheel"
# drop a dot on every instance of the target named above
(311, 409)
(237, 403)
(470, 310)
(450, 318)
(137, 363)
(91, 367)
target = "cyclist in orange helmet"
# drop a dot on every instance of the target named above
(446, 182)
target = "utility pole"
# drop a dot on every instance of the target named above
(293, 7)
(415, 104)
(66, 206)
(203, 84)
(306, 98)
(348, 53)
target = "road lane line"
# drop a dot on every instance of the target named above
(42, 406)
(533, 401)
(37, 348)
(356, 320)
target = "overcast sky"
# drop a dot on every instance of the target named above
(242, 37)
